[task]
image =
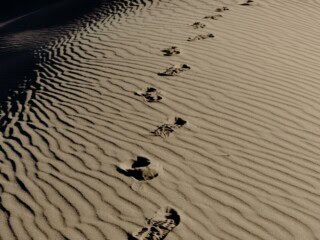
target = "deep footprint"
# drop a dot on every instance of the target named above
(222, 9)
(197, 25)
(166, 129)
(172, 71)
(213, 17)
(140, 169)
(150, 95)
(171, 51)
(158, 227)
(179, 122)
(247, 3)
(200, 37)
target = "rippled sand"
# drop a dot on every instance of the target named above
(82, 156)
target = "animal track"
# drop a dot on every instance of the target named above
(171, 51)
(141, 169)
(198, 25)
(214, 17)
(166, 129)
(200, 37)
(172, 71)
(150, 95)
(158, 227)
(222, 9)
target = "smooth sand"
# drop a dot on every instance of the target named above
(246, 165)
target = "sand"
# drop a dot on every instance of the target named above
(244, 166)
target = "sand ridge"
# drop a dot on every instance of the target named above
(244, 166)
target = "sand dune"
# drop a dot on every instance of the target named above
(245, 166)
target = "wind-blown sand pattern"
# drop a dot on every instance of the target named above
(245, 167)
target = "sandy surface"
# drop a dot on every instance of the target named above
(229, 151)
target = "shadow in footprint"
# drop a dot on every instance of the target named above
(222, 9)
(166, 129)
(247, 3)
(130, 237)
(174, 70)
(197, 25)
(213, 17)
(180, 122)
(150, 95)
(139, 169)
(158, 227)
(171, 51)
(200, 37)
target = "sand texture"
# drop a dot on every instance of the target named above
(98, 145)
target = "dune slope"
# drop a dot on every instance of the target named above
(243, 165)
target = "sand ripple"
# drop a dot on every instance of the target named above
(246, 166)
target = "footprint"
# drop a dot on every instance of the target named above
(200, 37)
(174, 70)
(197, 25)
(158, 227)
(171, 51)
(150, 95)
(179, 122)
(141, 169)
(214, 17)
(247, 3)
(166, 129)
(222, 9)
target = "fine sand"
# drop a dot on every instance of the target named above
(167, 119)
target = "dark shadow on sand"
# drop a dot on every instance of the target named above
(19, 40)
